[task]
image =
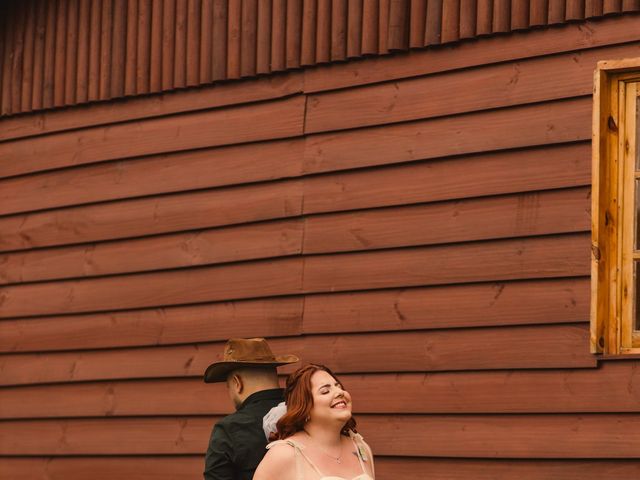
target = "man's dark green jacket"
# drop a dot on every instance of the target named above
(237, 442)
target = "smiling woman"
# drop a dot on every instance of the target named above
(317, 435)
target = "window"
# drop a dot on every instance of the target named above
(615, 266)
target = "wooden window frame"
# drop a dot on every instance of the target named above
(613, 212)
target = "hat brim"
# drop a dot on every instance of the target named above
(217, 372)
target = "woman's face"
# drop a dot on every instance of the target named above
(330, 402)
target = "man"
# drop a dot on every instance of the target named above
(238, 441)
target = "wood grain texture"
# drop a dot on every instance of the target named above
(184, 467)
(490, 348)
(480, 392)
(147, 216)
(153, 174)
(206, 284)
(147, 107)
(519, 436)
(451, 178)
(241, 124)
(457, 221)
(159, 326)
(490, 50)
(204, 247)
(503, 303)
(445, 94)
(169, 44)
(553, 122)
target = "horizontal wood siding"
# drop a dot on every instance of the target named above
(106, 49)
(418, 222)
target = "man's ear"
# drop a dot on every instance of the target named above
(238, 383)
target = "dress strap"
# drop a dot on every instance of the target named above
(361, 451)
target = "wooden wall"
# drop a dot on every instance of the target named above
(64, 52)
(419, 222)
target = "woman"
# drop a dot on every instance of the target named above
(317, 434)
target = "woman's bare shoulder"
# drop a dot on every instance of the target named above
(277, 464)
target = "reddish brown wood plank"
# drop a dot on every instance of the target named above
(520, 14)
(510, 303)
(82, 74)
(538, 12)
(339, 12)
(370, 11)
(72, 52)
(152, 175)
(234, 37)
(29, 34)
(106, 35)
(262, 121)
(249, 30)
(93, 89)
(59, 70)
(219, 60)
(168, 43)
(293, 33)
(159, 326)
(63, 437)
(450, 21)
(433, 23)
(323, 40)
(8, 37)
(39, 49)
(453, 178)
(383, 27)
(557, 10)
(593, 8)
(263, 49)
(186, 467)
(549, 123)
(17, 56)
(491, 348)
(158, 362)
(436, 95)
(154, 215)
(143, 55)
(496, 49)
(417, 23)
(131, 60)
(157, 39)
(278, 35)
(204, 247)
(398, 32)
(206, 41)
(513, 436)
(147, 107)
(502, 16)
(354, 28)
(457, 221)
(523, 391)
(575, 10)
(180, 45)
(484, 23)
(206, 284)
(119, 48)
(164, 467)
(468, 18)
(194, 19)
(541, 257)
(309, 32)
(612, 6)
(49, 54)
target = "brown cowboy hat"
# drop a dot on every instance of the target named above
(242, 353)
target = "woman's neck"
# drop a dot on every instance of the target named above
(324, 435)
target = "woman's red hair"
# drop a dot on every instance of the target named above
(299, 399)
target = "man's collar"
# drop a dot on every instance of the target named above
(272, 394)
